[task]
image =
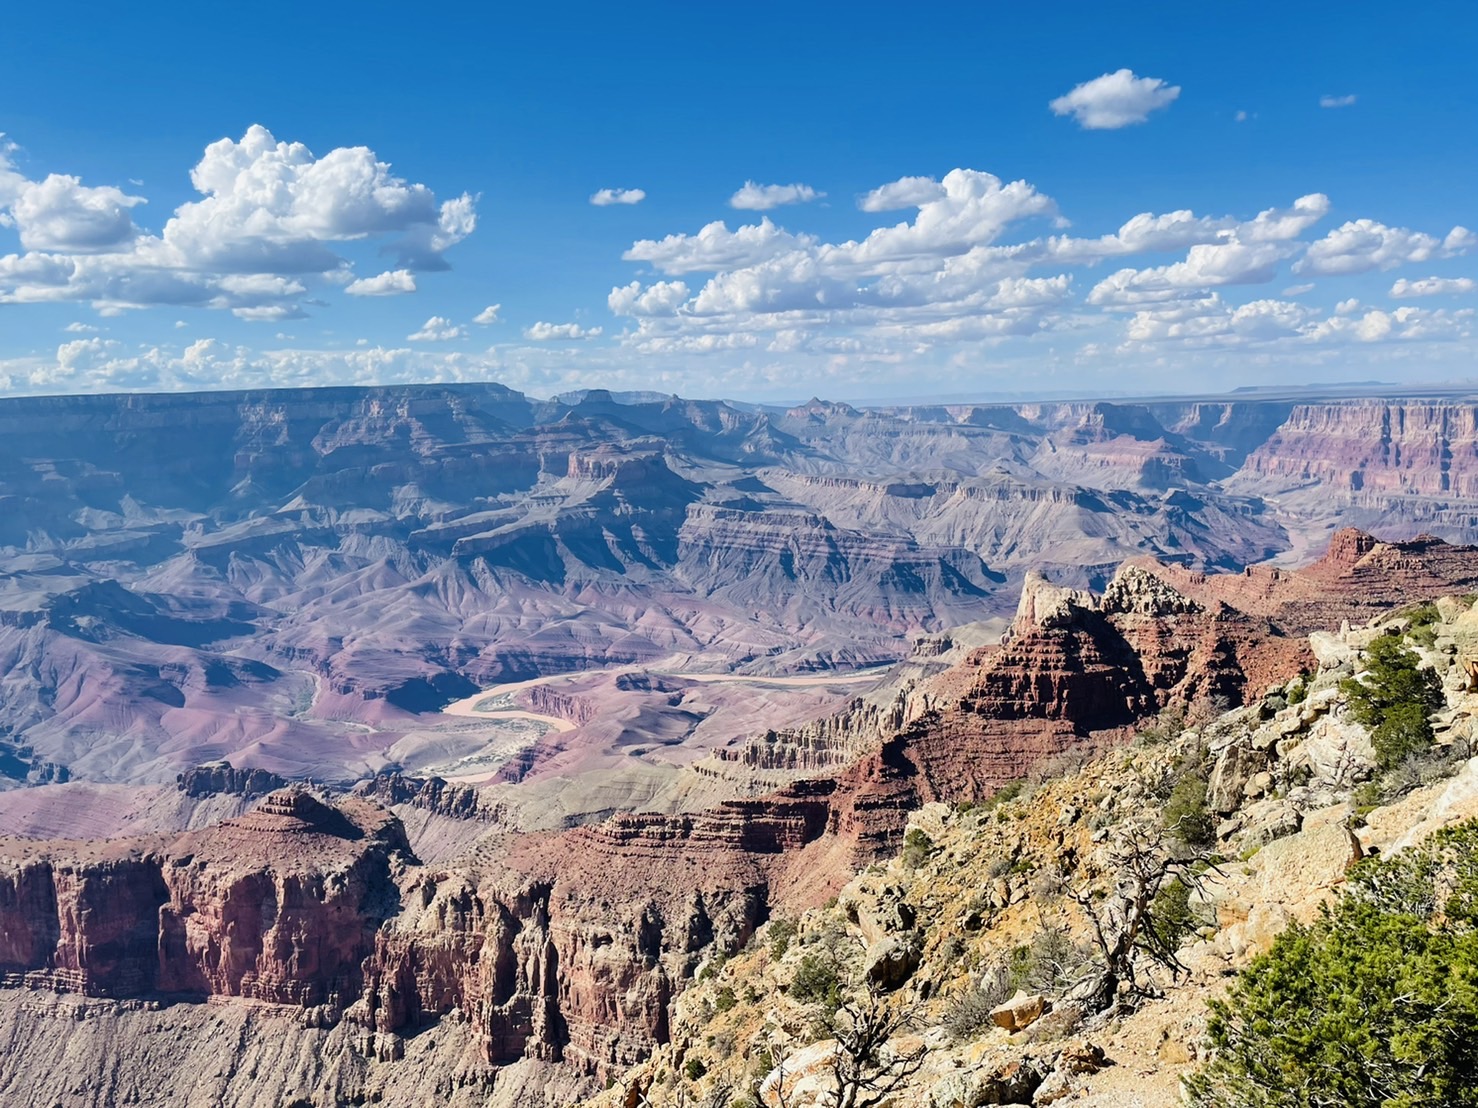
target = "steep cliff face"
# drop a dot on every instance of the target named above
(566, 955)
(279, 905)
(1407, 449)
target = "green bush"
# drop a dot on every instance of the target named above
(782, 931)
(816, 979)
(1403, 733)
(1186, 814)
(694, 1069)
(1394, 699)
(725, 1001)
(1425, 619)
(917, 846)
(1171, 915)
(1373, 1005)
(1005, 794)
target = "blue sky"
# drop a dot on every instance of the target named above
(968, 199)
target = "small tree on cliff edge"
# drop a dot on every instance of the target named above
(1393, 698)
(1129, 920)
(866, 1070)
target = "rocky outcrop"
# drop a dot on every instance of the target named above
(1358, 577)
(280, 905)
(222, 777)
(430, 794)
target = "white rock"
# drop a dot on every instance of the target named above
(1329, 650)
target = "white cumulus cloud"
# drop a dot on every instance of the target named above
(437, 329)
(1361, 245)
(754, 197)
(552, 332)
(62, 214)
(1432, 286)
(267, 209)
(488, 315)
(604, 198)
(1232, 252)
(1115, 100)
(662, 298)
(393, 282)
(715, 247)
(906, 192)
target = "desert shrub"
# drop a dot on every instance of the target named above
(951, 950)
(712, 966)
(723, 1043)
(1414, 772)
(1394, 699)
(1207, 708)
(999, 866)
(725, 1001)
(1063, 764)
(1005, 794)
(1372, 1005)
(917, 846)
(1186, 815)
(1425, 619)
(816, 979)
(1171, 915)
(1048, 964)
(1166, 726)
(1368, 795)
(968, 1014)
(782, 931)
(694, 1069)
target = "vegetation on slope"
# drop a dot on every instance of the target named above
(1374, 1005)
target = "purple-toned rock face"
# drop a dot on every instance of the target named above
(290, 580)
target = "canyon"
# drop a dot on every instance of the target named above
(555, 957)
(294, 580)
(706, 659)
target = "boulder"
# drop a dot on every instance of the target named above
(1267, 821)
(1235, 766)
(1021, 1011)
(1082, 1056)
(1259, 785)
(1057, 1085)
(1330, 650)
(1003, 1078)
(802, 1078)
(890, 962)
(1337, 753)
